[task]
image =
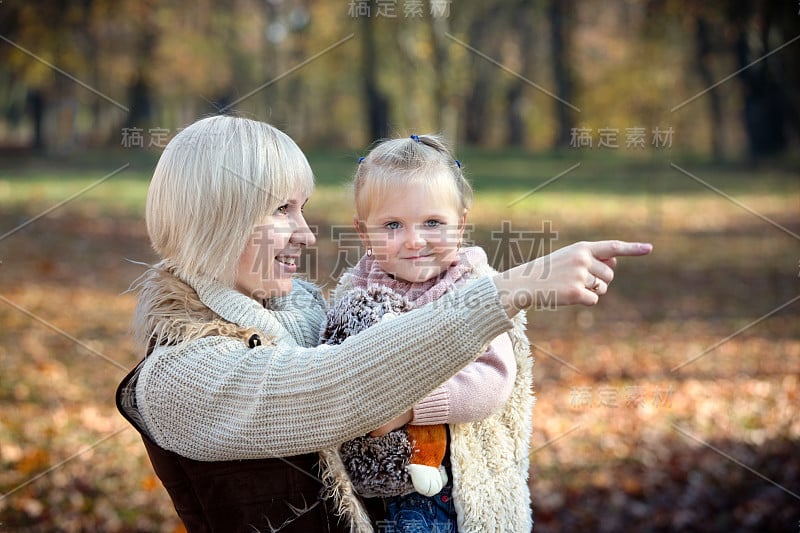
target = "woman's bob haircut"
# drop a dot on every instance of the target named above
(214, 183)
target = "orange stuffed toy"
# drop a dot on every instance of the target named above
(404, 460)
(429, 444)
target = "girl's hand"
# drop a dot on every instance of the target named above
(393, 424)
(576, 274)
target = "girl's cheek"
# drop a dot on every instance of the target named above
(378, 239)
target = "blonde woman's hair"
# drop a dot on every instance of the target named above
(417, 159)
(215, 181)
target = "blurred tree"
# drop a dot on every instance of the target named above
(169, 63)
(443, 97)
(377, 101)
(482, 35)
(560, 13)
(286, 46)
(24, 25)
(58, 50)
(705, 72)
(749, 32)
(787, 61)
(764, 102)
(521, 26)
(144, 43)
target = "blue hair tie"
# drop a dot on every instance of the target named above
(360, 159)
(415, 138)
(458, 163)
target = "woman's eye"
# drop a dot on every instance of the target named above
(392, 225)
(283, 210)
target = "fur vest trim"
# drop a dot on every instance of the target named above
(169, 312)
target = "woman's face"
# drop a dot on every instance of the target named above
(270, 258)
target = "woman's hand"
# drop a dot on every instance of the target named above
(576, 274)
(393, 424)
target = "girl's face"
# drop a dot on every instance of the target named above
(414, 232)
(271, 255)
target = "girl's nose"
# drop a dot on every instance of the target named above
(415, 239)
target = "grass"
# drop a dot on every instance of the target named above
(622, 439)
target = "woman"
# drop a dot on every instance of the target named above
(234, 397)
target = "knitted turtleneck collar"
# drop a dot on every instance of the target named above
(367, 273)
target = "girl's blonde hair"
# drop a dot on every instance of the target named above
(419, 159)
(215, 181)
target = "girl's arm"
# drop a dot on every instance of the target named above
(477, 391)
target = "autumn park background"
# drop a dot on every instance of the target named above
(670, 406)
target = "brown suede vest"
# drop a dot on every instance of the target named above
(278, 494)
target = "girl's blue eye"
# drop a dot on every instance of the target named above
(432, 223)
(392, 225)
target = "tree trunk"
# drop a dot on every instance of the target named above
(442, 90)
(559, 12)
(477, 109)
(140, 91)
(763, 110)
(786, 62)
(139, 102)
(515, 115)
(377, 103)
(36, 104)
(522, 25)
(476, 114)
(703, 65)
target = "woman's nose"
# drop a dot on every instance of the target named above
(302, 233)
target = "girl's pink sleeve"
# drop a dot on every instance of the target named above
(477, 391)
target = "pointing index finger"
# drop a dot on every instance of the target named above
(608, 249)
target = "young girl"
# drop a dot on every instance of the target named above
(411, 206)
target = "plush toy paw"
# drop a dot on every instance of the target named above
(427, 480)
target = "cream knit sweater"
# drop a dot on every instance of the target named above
(214, 398)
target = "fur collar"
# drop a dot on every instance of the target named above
(169, 312)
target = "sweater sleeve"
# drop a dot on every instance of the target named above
(477, 391)
(216, 399)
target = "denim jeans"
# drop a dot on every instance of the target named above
(416, 513)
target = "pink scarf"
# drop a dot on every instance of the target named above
(368, 273)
